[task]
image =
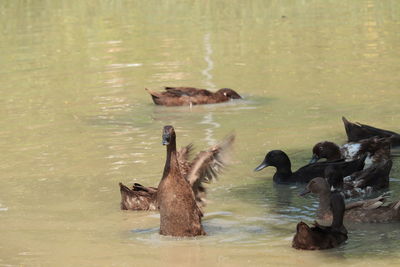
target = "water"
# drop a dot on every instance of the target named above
(76, 120)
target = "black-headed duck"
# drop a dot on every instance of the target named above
(368, 211)
(377, 149)
(284, 174)
(323, 237)
(183, 96)
(204, 168)
(358, 131)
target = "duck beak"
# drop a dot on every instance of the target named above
(261, 166)
(305, 192)
(314, 159)
(165, 139)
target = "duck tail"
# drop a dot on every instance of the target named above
(155, 96)
(124, 189)
(152, 93)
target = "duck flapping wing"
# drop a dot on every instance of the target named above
(208, 164)
(183, 156)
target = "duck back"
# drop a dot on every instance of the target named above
(310, 171)
(317, 237)
(179, 213)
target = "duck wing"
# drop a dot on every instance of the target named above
(138, 198)
(188, 91)
(207, 165)
(310, 171)
(368, 203)
(376, 176)
(183, 159)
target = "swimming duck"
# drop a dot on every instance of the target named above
(323, 237)
(378, 149)
(358, 131)
(204, 168)
(179, 212)
(284, 174)
(371, 210)
(183, 96)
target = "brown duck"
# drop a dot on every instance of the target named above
(368, 211)
(358, 131)
(184, 96)
(204, 168)
(323, 237)
(179, 212)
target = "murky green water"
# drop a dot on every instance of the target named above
(75, 121)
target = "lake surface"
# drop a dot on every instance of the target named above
(76, 120)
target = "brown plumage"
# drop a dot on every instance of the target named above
(204, 168)
(323, 237)
(183, 96)
(368, 211)
(138, 198)
(357, 131)
(378, 149)
(179, 213)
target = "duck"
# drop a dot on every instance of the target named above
(180, 216)
(360, 183)
(184, 96)
(204, 168)
(378, 149)
(323, 237)
(284, 174)
(364, 211)
(357, 131)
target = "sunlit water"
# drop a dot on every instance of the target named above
(76, 120)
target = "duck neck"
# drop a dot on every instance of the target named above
(171, 164)
(324, 203)
(335, 154)
(338, 208)
(283, 172)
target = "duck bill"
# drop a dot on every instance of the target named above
(261, 166)
(314, 159)
(165, 139)
(305, 192)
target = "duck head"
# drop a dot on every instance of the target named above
(317, 185)
(229, 93)
(168, 135)
(325, 149)
(276, 158)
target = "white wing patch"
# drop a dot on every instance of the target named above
(350, 150)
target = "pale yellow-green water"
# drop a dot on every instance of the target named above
(76, 120)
